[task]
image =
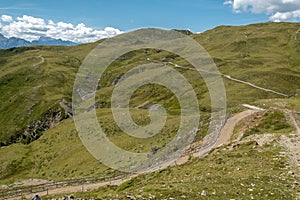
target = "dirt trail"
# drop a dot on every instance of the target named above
(296, 35)
(39, 63)
(227, 130)
(228, 77)
(77, 188)
(255, 86)
(224, 138)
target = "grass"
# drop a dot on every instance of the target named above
(248, 53)
(242, 173)
(268, 57)
(29, 91)
(273, 121)
(292, 103)
(58, 154)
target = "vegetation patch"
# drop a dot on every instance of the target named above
(273, 121)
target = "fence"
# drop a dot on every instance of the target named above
(45, 187)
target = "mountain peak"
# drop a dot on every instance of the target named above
(6, 43)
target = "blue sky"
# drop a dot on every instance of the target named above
(197, 15)
(126, 15)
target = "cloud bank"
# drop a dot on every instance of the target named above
(32, 28)
(278, 10)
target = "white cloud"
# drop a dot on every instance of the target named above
(6, 18)
(228, 2)
(277, 17)
(32, 28)
(278, 10)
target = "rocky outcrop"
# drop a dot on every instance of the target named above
(67, 106)
(35, 129)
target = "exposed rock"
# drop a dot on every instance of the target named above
(34, 130)
(131, 197)
(260, 139)
(67, 106)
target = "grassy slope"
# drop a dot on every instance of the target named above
(28, 91)
(246, 172)
(59, 153)
(268, 57)
(264, 54)
(49, 157)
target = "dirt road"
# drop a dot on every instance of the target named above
(227, 130)
(224, 138)
(74, 189)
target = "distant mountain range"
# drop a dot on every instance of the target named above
(6, 43)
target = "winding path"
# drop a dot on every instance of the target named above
(296, 35)
(233, 79)
(225, 136)
(227, 130)
(39, 63)
(255, 86)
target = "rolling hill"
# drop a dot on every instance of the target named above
(39, 139)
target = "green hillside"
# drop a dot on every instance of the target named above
(264, 54)
(39, 139)
(242, 173)
(32, 92)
